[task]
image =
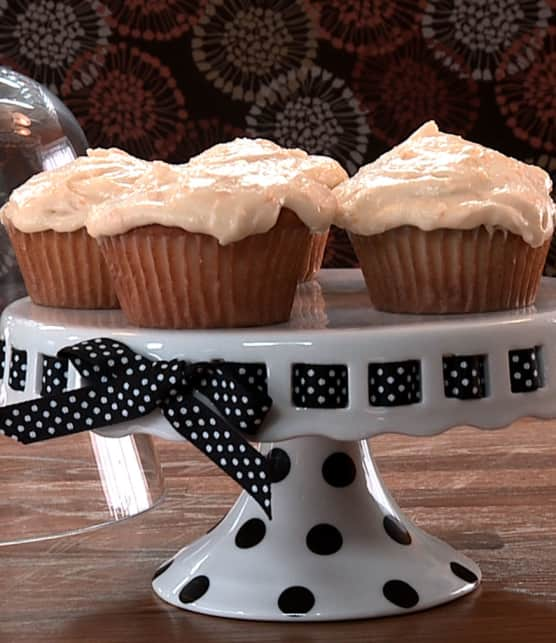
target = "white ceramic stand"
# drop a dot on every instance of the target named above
(337, 547)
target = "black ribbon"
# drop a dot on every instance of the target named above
(209, 403)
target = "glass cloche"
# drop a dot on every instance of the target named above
(37, 132)
(73, 484)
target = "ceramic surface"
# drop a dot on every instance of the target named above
(338, 372)
(333, 323)
(338, 547)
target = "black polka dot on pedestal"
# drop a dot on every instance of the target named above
(215, 525)
(324, 539)
(195, 589)
(339, 470)
(279, 464)
(400, 593)
(250, 533)
(396, 530)
(296, 601)
(162, 569)
(463, 572)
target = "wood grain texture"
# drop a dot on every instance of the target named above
(491, 494)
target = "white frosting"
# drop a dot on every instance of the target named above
(60, 199)
(435, 180)
(260, 152)
(231, 191)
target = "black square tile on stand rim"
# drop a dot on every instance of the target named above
(2, 358)
(395, 383)
(465, 376)
(18, 369)
(526, 373)
(319, 386)
(54, 375)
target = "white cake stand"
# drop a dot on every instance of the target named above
(338, 546)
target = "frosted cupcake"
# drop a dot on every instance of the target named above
(45, 218)
(218, 242)
(443, 225)
(326, 171)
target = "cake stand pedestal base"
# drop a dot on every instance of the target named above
(337, 547)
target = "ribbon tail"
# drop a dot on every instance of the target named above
(225, 446)
(45, 418)
(210, 405)
(84, 409)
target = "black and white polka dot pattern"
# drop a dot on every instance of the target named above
(400, 593)
(162, 569)
(324, 539)
(195, 589)
(464, 573)
(525, 370)
(54, 375)
(296, 601)
(330, 510)
(396, 530)
(230, 386)
(18, 369)
(395, 383)
(123, 385)
(2, 358)
(252, 374)
(319, 386)
(279, 464)
(464, 376)
(339, 469)
(250, 534)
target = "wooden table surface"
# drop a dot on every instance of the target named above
(491, 494)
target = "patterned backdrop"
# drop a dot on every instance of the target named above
(347, 79)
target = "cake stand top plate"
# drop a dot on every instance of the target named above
(334, 324)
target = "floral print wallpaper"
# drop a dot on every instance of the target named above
(348, 79)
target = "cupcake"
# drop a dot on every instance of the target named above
(218, 242)
(45, 218)
(325, 171)
(443, 225)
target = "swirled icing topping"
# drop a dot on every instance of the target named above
(261, 152)
(231, 191)
(60, 199)
(435, 180)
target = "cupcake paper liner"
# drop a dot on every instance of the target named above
(408, 270)
(64, 269)
(313, 258)
(167, 277)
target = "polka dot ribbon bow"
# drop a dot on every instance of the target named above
(209, 403)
